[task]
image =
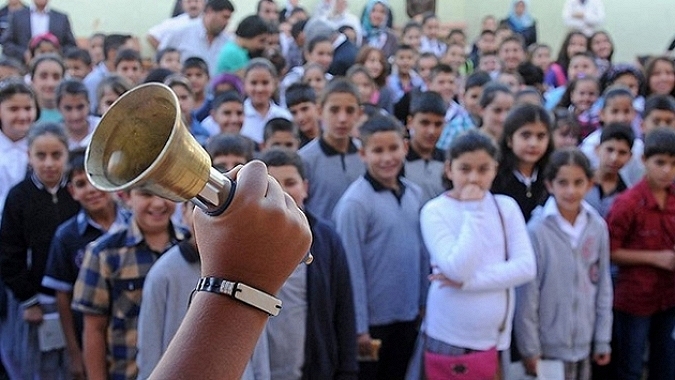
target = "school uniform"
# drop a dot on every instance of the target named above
(329, 174)
(31, 215)
(527, 192)
(426, 173)
(254, 122)
(13, 165)
(379, 229)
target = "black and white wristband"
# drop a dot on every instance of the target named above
(241, 292)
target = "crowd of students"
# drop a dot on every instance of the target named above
(463, 196)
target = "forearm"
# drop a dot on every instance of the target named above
(63, 300)
(94, 353)
(199, 350)
(636, 257)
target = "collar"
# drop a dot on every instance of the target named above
(189, 251)
(249, 111)
(379, 187)
(649, 201)
(527, 181)
(436, 155)
(328, 150)
(550, 208)
(339, 40)
(84, 221)
(34, 10)
(7, 144)
(41, 186)
(135, 236)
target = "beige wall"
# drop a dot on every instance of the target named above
(638, 27)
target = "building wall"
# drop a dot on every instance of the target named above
(638, 27)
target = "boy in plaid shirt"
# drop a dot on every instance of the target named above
(110, 283)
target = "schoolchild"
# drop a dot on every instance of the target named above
(98, 214)
(512, 53)
(495, 104)
(301, 101)
(559, 319)
(33, 210)
(169, 58)
(315, 76)
(641, 242)
(180, 85)
(659, 111)
(72, 101)
(109, 286)
(197, 72)
(473, 90)
(429, 42)
(331, 161)
(109, 90)
(78, 63)
(227, 151)
(579, 97)
(424, 161)
(18, 111)
(260, 83)
(457, 120)
(377, 64)
(660, 76)
(227, 112)
(471, 297)
(317, 50)
(525, 145)
(282, 133)
(129, 65)
(46, 71)
(617, 108)
(316, 339)
(575, 42)
(248, 42)
(403, 77)
(614, 152)
(377, 219)
(411, 35)
(9, 67)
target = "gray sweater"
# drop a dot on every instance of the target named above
(567, 309)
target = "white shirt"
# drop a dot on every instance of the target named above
(39, 21)
(161, 30)
(191, 41)
(93, 123)
(573, 231)
(634, 169)
(13, 165)
(594, 15)
(254, 122)
(465, 240)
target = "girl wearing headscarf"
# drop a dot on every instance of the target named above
(376, 33)
(521, 22)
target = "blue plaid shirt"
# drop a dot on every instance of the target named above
(457, 120)
(110, 283)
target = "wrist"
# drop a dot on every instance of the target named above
(241, 292)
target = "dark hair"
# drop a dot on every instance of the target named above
(12, 63)
(225, 143)
(14, 86)
(616, 71)
(45, 58)
(519, 116)
(311, 44)
(618, 131)
(566, 99)
(456, 31)
(116, 83)
(410, 25)
(517, 38)
(231, 96)
(650, 66)
(48, 128)
(660, 141)
(340, 85)
(279, 124)
(616, 92)
(658, 102)
(179, 80)
(467, 142)
(297, 28)
(485, 32)
(532, 74)
(276, 157)
(195, 63)
(602, 32)
(299, 93)
(362, 57)
(477, 79)
(157, 75)
(441, 68)
(78, 54)
(358, 68)
(71, 87)
(260, 2)
(533, 49)
(564, 120)
(529, 90)
(426, 16)
(75, 162)
(219, 5)
(251, 26)
(128, 55)
(260, 63)
(490, 92)
(427, 102)
(114, 42)
(563, 58)
(567, 157)
(403, 47)
(379, 123)
(162, 52)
